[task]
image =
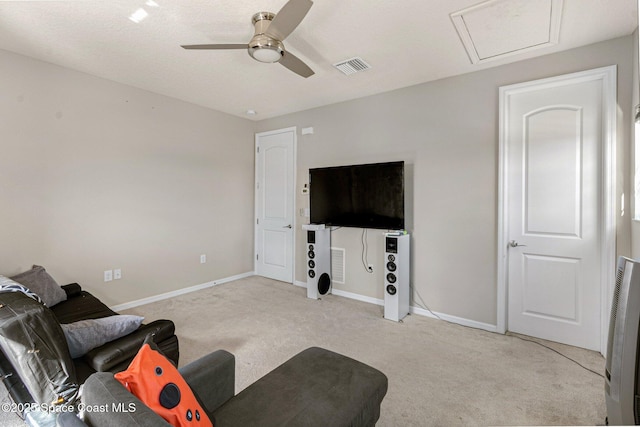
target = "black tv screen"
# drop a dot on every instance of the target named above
(364, 196)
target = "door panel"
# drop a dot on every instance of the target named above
(547, 275)
(275, 248)
(553, 182)
(275, 182)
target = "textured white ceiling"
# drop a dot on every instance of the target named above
(405, 41)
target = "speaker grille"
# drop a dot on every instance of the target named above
(616, 295)
(614, 313)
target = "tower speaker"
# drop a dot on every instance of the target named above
(396, 277)
(318, 262)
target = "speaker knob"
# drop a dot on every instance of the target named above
(312, 264)
(391, 266)
(311, 254)
(391, 258)
(312, 274)
(391, 290)
(391, 278)
(310, 247)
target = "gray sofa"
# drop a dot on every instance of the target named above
(316, 387)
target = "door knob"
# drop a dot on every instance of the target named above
(515, 244)
(287, 226)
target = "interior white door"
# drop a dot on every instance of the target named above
(554, 139)
(274, 228)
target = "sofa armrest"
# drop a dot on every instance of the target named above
(212, 378)
(102, 390)
(72, 290)
(117, 352)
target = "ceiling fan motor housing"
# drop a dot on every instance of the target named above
(262, 47)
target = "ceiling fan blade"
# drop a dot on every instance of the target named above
(215, 46)
(296, 65)
(288, 18)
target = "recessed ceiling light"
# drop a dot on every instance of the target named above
(251, 112)
(138, 16)
(151, 3)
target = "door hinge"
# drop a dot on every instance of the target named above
(257, 257)
(258, 221)
(258, 149)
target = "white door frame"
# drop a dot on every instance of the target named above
(607, 225)
(256, 198)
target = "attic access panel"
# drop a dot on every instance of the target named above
(496, 29)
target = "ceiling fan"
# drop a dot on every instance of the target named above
(270, 30)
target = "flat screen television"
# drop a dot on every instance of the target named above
(363, 196)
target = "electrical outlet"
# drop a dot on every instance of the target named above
(203, 258)
(108, 275)
(117, 274)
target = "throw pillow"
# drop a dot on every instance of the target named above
(40, 282)
(8, 285)
(154, 380)
(86, 335)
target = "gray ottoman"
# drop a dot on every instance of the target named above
(316, 387)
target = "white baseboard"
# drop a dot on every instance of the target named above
(177, 292)
(357, 297)
(453, 319)
(413, 310)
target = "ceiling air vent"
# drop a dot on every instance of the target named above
(353, 65)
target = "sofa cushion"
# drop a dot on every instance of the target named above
(154, 380)
(40, 282)
(86, 335)
(116, 355)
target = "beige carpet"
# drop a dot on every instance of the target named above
(440, 374)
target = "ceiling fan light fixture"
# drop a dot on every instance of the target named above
(266, 54)
(265, 49)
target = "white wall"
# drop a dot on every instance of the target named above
(95, 175)
(447, 133)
